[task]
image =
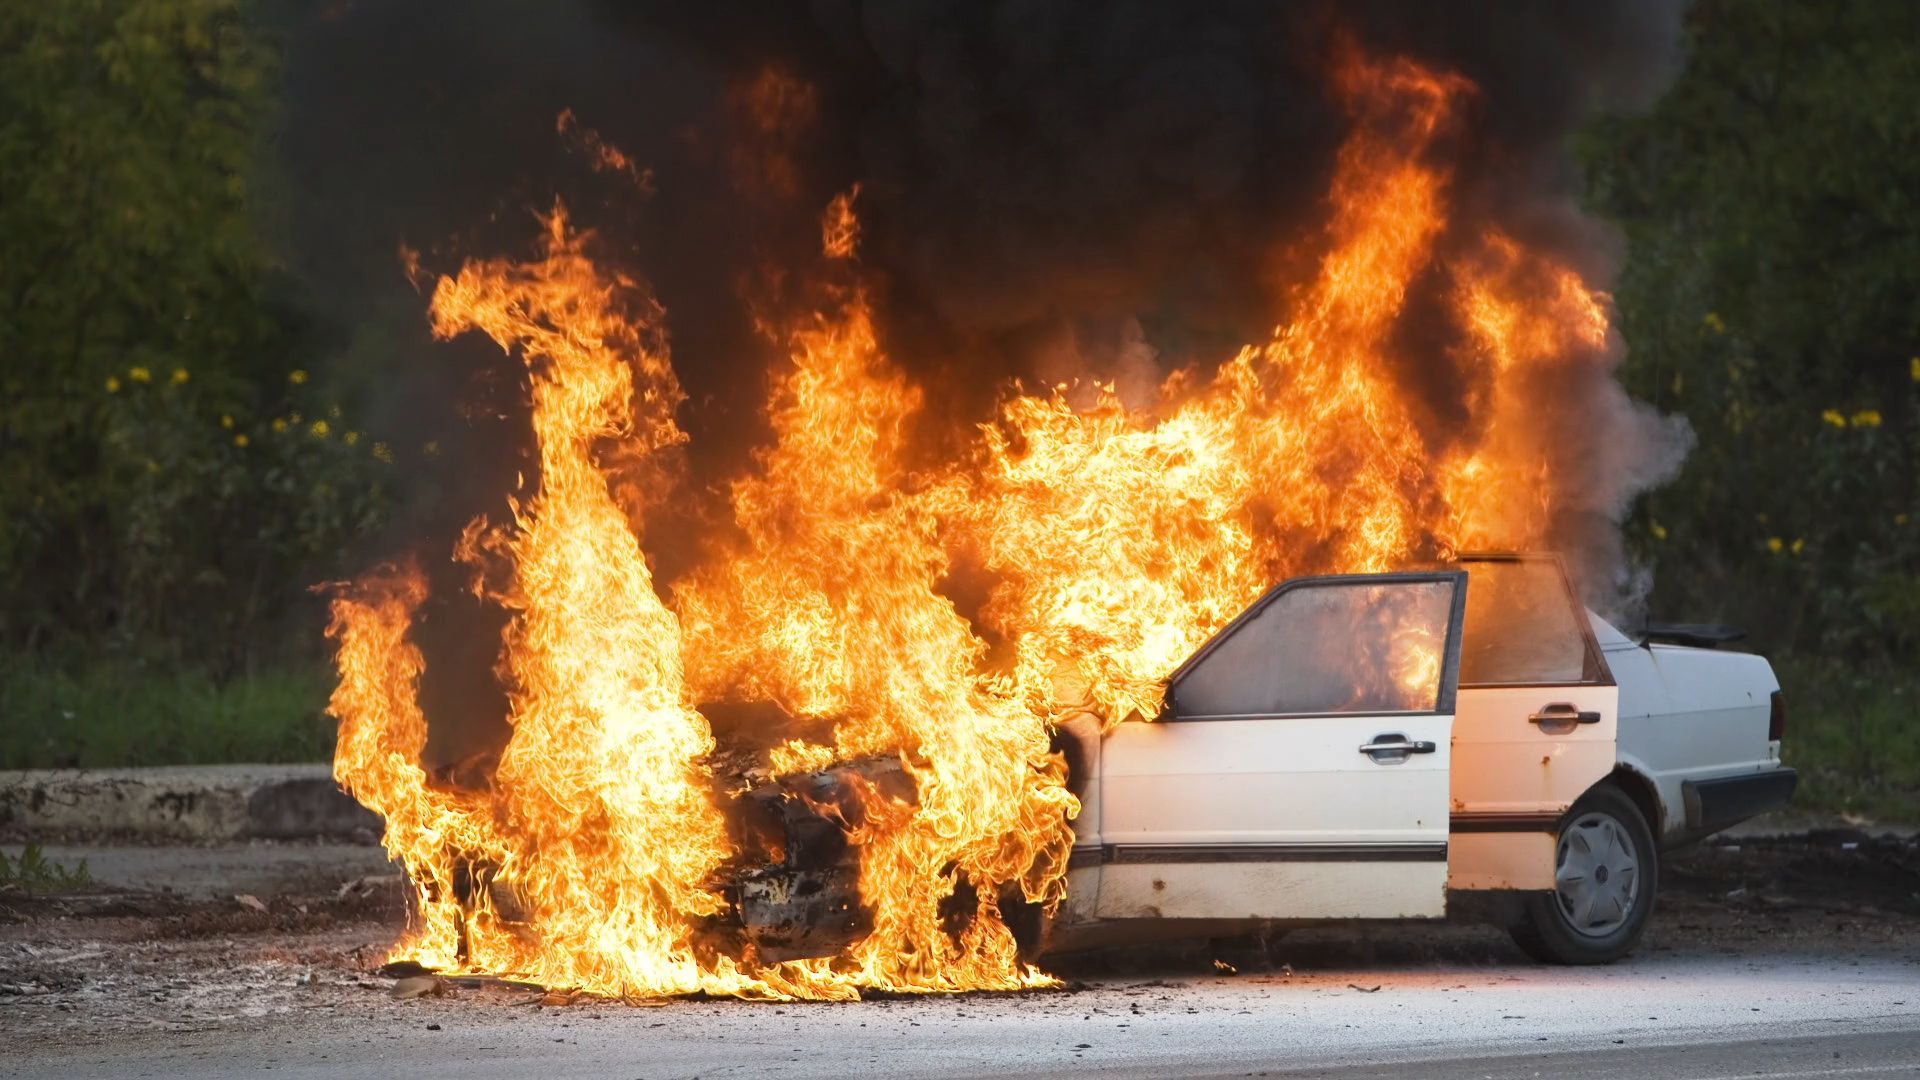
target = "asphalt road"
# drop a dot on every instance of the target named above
(1760, 964)
(1680, 1014)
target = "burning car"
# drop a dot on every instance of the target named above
(902, 708)
(1369, 746)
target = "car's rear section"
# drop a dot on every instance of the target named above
(1701, 727)
(1698, 749)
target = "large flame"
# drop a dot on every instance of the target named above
(1119, 538)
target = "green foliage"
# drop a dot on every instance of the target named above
(126, 712)
(169, 479)
(1772, 205)
(1850, 733)
(34, 872)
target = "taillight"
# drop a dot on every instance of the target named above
(1777, 720)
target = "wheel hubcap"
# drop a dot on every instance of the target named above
(1596, 879)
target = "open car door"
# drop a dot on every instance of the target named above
(1535, 725)
(1301, 768)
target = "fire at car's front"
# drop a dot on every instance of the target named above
(870, 838)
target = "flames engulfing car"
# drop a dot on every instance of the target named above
(1369, 746)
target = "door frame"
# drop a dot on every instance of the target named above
(1449, 649)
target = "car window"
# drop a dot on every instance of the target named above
(1313, 647)
(1523, 626)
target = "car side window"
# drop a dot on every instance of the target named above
(1325, 647)
(1524, 626)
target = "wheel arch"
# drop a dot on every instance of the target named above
(1640, 787)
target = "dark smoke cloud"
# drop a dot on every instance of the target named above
(1048, 188)
(1038, 171)
(1038, 176)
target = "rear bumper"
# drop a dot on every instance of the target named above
(1716, 803)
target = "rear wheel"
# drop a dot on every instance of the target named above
(1606, 870)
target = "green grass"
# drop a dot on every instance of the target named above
(34, 872)
(115, 712)
(1854, 734)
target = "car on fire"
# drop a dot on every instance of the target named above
(1373, 746)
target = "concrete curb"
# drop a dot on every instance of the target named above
(205, 804)
(191, 803)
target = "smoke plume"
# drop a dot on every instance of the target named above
(1049, 191)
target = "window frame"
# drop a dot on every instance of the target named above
(1596, 659)
(1445, 700)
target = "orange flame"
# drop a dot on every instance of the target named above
(832, 609)
(1120, 539)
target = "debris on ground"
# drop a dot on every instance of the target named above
(419, 986)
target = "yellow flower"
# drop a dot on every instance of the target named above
(1774, 544)
(1834, 417)
(1913, 368)
(1658, 530)
(320, 428)
(1867, 418)
(279, 424)
(350, 438)
(113, 384)
(226, 421)
(1714, 324)
(139, 374)
(1899, 519)
(1799, 545)
(179, 375)
(297, 376)
(431, 449)
(241, 439)
(383, 452)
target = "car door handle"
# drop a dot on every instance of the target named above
(1561, 712)
(1397, 744)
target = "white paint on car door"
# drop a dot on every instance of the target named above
(1536, 725)
(1303, 771)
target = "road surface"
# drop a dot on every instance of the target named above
(1770, 981)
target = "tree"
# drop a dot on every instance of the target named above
(1771, 201)
(143, 497)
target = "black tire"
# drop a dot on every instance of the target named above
(1608, 870)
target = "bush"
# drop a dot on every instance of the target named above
(1850, 732)
(120, 712)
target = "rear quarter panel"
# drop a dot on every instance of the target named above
(1688, 714)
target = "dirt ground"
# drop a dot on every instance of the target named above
(313, 935)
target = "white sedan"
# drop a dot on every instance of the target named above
(1374, 746)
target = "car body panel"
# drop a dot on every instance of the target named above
(1530, 658)
(1223, 811)
(1691, 714)
(1279, 818)
(1513, 778)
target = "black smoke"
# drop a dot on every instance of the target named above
(1048, 188)
(1036, 176)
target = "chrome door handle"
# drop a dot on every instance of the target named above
(1562, 712)
(1397, 744)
